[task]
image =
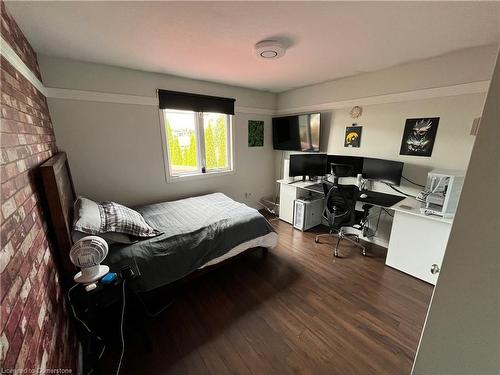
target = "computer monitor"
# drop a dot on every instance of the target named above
(341, 170)
(355, 161)
(307, 165)
(387, 171)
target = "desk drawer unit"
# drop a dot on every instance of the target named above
(416, 244)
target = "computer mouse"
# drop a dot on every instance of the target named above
(363, 195)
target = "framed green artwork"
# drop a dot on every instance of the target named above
(255, 133)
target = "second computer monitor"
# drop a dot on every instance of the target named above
(307, 165)
(387, 171)
(355, 161)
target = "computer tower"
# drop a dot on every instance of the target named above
(442, 192)
(307, 213)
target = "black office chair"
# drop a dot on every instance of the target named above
(340, 209)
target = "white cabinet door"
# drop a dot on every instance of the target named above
(288, 194)
(416, 244)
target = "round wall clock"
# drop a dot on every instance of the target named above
(356, 111)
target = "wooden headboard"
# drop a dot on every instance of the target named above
(60, 196)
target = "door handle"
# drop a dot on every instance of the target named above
(435, 269)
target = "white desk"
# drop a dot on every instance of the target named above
(380, 231)
(416, 241)
(288, 194)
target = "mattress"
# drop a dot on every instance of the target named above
(267, 241)
(196, 232)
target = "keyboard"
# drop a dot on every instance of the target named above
(316, 187)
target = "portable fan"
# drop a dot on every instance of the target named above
(87, 254)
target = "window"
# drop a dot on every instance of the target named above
(197, 133)
(197, 142)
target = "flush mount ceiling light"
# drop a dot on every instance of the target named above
(269, 49)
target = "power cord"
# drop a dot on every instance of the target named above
(272, 211)
(121, 327)
(387, 212)
(122, 320)
(281, 163)
(411, 182)
(399, 191)
(422, 197)
(75, 315)
(363, 184)
(146, 309)
(276, 196)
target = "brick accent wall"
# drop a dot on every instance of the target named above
(13, 35)
(35, 328)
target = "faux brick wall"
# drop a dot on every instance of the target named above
(13, 35)
(35, 328)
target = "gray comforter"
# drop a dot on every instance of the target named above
(195, 231)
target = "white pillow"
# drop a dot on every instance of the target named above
(87, 220)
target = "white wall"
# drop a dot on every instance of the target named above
(131, 132)
(71, 74)
(465, 66)
(383, 124)
(115, 150)
(383, 127)
(381, 138)
(462, 330)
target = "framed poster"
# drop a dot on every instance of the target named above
(255, 133)
(418, 136)
(353, 136)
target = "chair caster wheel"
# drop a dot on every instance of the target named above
(316, 240)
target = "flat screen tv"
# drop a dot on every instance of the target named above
(297, 133)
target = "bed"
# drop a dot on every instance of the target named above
(198, 233)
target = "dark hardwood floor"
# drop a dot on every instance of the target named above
(296, 310)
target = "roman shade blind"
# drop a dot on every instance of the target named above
(195, 102)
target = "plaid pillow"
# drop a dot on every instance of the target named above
(118, 218)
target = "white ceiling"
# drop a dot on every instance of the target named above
(214, 41)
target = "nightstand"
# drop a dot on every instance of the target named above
(99, 311)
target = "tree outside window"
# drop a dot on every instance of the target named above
(197, 142)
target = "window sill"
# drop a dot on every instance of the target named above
(196, 176)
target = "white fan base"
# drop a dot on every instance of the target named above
(91, 274)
